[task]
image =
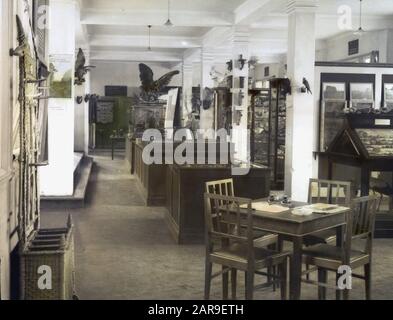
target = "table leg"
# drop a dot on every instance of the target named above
(296, 269)
(113, 149)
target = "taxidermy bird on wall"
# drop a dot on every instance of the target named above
(80, 68)
(208, 98)
(306, 87)
(152, 89)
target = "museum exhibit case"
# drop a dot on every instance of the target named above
(356, 131)
(259, 117)
(277, 132)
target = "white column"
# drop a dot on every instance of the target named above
(301, 112)
(57, 178)
(207, 61)
(240, 47)
(187, 89)
(5, 144)
(82, 112)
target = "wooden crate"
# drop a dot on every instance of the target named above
(53, 248)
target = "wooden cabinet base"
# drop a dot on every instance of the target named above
(184, 196)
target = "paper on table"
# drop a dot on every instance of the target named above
(266, 207)
(321, 208)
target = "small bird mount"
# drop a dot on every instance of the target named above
(230, 65)
(208, 98)
(79, 99)
(242, 62)
(20, 50)
(240, 98)
(306, 87)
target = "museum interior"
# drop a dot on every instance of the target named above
(192, 149)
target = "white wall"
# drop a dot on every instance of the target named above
(336, 48)
(126, 74)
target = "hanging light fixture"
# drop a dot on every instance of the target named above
(360, 31)
(149, 46)
(169, 23)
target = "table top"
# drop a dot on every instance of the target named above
(286, 223)
(288, 216)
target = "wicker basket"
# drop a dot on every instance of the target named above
(53, 248)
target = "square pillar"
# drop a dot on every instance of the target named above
(57, 179)
(207, 62)
(240, 42)
(187, 89)
(301, 110)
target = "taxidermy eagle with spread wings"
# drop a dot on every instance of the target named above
(151, 89)
(80, 68)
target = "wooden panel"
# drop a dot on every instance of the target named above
(188, 187)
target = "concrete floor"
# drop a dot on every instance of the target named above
(124, 249)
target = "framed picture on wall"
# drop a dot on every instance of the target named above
(388, 92)
(362, 97)
(332, 112)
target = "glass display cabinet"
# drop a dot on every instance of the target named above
(278, 110)
(260, 125)
(268, 129)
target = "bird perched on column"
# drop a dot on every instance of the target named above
(306, 87)
(80, 68)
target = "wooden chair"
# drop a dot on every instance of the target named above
(229, 246)
(331, 192)
(226, 188)
(326, 257)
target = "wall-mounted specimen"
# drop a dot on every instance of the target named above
(230, 65)
(241, 62)
(306, 86)
(80, 68)
(152, 89)
(208, 98)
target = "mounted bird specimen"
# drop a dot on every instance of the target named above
(306, 87)
(208, 98)
(80, 68)
(152, 89)
(19, 51)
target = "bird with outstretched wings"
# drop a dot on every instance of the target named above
(150, 88)
(80, 68)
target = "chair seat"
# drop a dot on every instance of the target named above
(331, 257)
(237, 253)
(262, 238)
(321, 237)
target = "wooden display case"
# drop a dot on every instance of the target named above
(185, 187)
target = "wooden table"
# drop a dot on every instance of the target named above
(114, 141)
(294, 228)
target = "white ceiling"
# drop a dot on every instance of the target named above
(120, 26)
(178, 5)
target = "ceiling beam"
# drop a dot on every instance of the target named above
(147, 56)
(215, 36)
(142, 41)
(156, 18)
(249, 8)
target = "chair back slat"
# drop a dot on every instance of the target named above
(361, 222)
(329, 191)
(225, 218)
(221, 187)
